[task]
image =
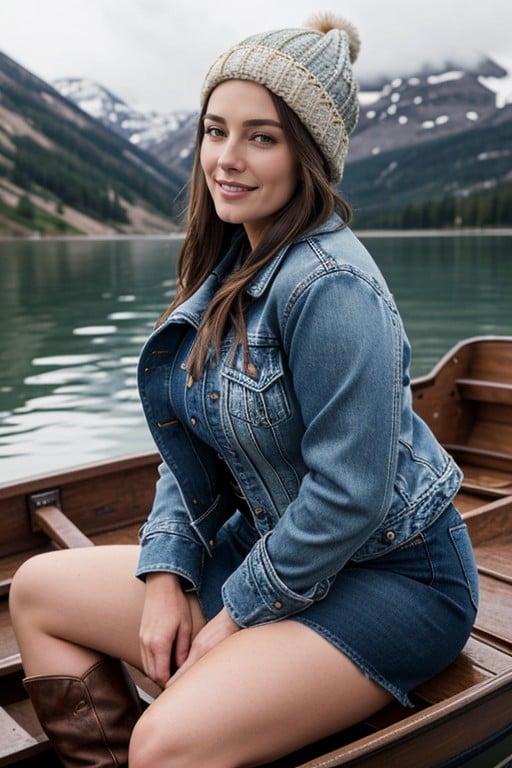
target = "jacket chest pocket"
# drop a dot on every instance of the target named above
(257, 395)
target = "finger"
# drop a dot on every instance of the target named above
(179, 672)
(146, 666)
(182, 645)
(162, 665)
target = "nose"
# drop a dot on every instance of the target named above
(231, 156)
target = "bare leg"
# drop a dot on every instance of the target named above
(260, 694)
(71, 607)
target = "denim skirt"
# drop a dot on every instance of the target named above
(401, 617)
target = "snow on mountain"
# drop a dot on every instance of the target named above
(409, 110)
(501, 86)
(144, 128)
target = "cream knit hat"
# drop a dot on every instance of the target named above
(311, 70)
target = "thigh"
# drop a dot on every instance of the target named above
(88, 597)
(262, 693)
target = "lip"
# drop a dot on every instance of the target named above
(233, 188)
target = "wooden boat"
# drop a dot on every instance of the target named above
(467, 400)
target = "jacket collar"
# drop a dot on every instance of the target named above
(260, 283)
(192, 309)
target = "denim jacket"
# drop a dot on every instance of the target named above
(318, 432)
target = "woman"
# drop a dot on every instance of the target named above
(303, 562)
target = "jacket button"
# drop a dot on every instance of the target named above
(211, 543)
(193, 421)
(390, 535)
(278, 604)
(214, 396)
(258, 510)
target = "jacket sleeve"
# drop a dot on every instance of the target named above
(343, 342)
(168, 541)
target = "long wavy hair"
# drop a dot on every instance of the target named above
(208, 237)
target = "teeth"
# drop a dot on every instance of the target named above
(232, 188)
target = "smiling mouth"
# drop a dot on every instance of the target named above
(234, 187)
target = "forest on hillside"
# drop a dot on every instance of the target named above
(488, 208)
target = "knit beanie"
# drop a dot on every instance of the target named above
(311, 70)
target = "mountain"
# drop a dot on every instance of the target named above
(148, 129)
(431, 148)
(422, 137)
(435, 137)
(62, 171)
(426, 106)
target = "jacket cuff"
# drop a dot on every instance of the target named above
(167, 549)
(254, 594)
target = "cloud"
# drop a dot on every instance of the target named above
(155, 53)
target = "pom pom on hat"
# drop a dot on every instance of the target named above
(311, 70)
(324, 22)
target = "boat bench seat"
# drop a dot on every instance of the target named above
(485, 391)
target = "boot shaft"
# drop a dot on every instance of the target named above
(88, 719)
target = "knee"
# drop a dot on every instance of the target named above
(161, 742)
(23, 583)
(148, 745)
(25, 588)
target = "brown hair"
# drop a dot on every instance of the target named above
(208, 237)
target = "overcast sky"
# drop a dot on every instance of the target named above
(155, 53)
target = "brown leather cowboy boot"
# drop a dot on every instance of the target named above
(88, 719)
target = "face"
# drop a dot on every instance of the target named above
(246, 159)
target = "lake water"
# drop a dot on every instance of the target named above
(74, 315)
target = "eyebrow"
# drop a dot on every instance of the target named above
(246, 123)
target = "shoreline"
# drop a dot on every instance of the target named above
(361, 233)
(455, 232)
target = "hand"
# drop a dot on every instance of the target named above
(166, 626)
(213, 633)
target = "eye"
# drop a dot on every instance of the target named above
(213, 131)
(264, 138)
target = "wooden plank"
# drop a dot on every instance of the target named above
(490, 521)
(494, 558)
(487, 657)
(59, 528)
(487, 480)
(14, 740)
(479, 456)
(495, 413)
(495, 612)
(486, 391)
(129, 534)
(457, 678)
(8, 644)
(95, 498)
(10, 664)
(493, 437)
(491, 359)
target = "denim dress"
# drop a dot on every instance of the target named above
(302, 487)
